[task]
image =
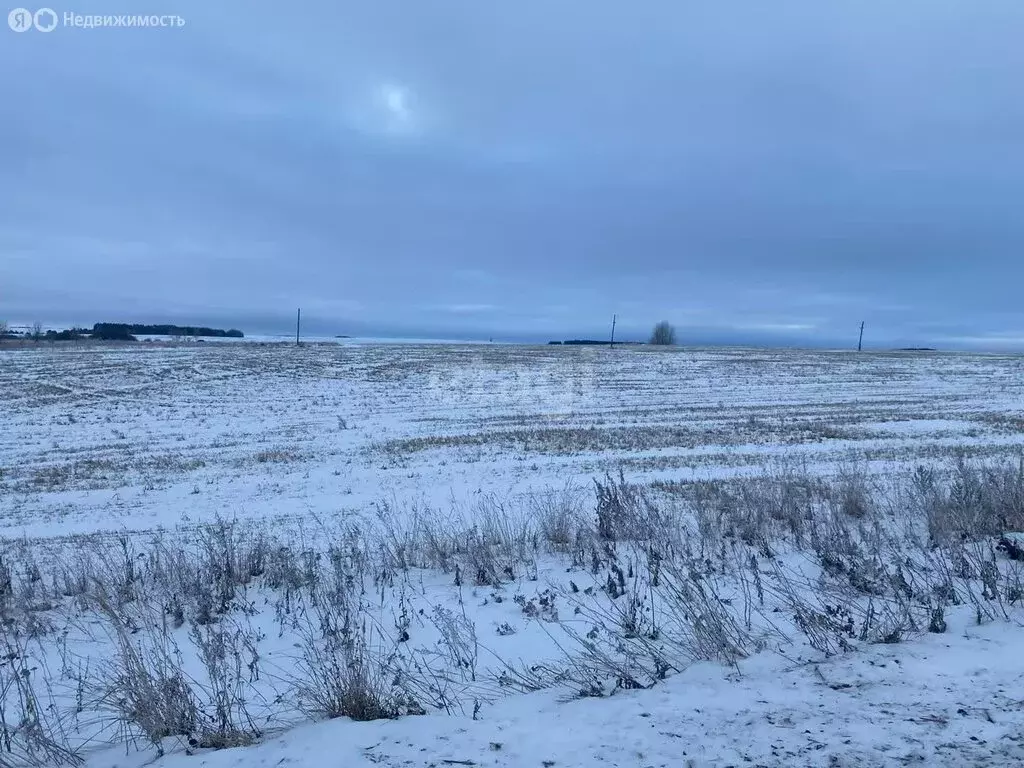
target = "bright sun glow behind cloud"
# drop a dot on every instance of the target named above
(393, 104)
(383, 108)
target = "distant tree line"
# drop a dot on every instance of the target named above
(590, 342)
(71, 334)
(115, 332)
(128, 331)
(663, 335)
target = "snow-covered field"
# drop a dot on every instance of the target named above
(126, 437)
(769, 536)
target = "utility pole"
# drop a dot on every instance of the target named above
(611, 344)
(298, 323)
(860, 341)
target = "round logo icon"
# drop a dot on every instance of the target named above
(45, 20)
(20, 19)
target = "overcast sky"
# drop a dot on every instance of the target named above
(766, 172)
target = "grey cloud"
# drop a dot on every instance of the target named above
(771, 173)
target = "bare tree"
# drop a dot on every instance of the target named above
(37, 331)
(664, 334)
(3, 328)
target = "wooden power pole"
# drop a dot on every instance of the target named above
(611, 344)
(860, 341)
(298, 323)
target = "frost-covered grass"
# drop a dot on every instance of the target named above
(213, 548)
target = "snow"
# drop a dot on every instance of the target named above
(951, 700)
(151, 441)
(166, 422)
(285, 338)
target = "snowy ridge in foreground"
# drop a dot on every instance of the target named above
(949, 700)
